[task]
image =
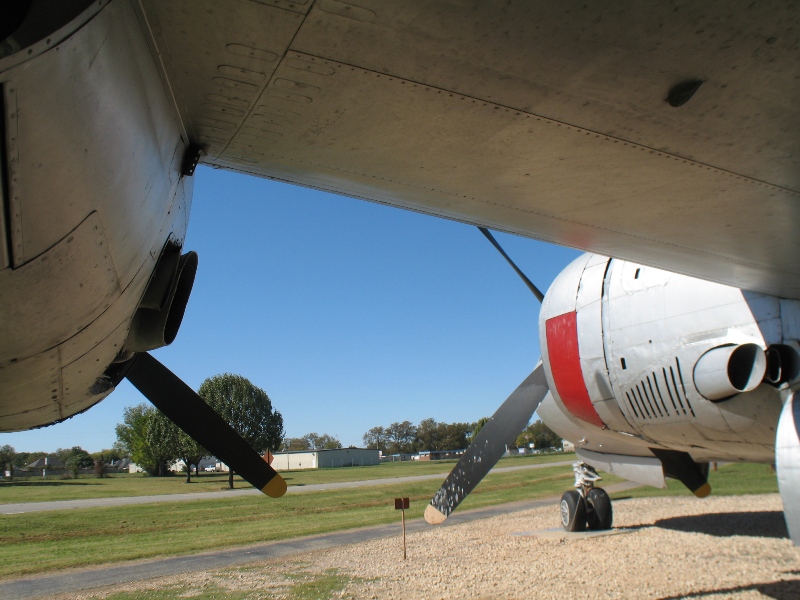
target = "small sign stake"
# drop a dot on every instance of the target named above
(402, 504)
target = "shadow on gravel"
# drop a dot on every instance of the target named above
(766, 524)
(779, 590)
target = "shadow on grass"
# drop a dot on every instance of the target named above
(779, 590)
(765, 524)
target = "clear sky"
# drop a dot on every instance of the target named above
(349, 314)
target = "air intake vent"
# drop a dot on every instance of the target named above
(660, 395)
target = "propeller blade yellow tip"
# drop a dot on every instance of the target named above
(275, 488)
(703, 491)
(433, 515)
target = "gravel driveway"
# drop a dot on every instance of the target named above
(726, 547)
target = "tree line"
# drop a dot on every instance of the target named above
(73, 459)
(406, 438)
(311, 441)
(430, 435)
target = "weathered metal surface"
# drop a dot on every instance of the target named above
(641, 469)
(548, 120)
(656, 326)
(93, 157)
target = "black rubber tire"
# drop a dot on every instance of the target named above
(573, 511)
(599, 514)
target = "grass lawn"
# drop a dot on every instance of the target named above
(45, 541)
(39, 490)
(40, 542)
(730, 480)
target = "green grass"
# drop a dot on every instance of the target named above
(729, 480)
(45, 541)
(118, 485)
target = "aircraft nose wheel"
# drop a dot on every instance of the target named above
(586, 505)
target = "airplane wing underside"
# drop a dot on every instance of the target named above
(548, 120)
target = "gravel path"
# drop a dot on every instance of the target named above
(726, 547)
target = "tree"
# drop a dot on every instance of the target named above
(74, 459)
(163, 439)
(247, 409)
(476, 428)
(169, 443)
(322, 442)
(108, 455)
(401, 437)
(22, 459)
(540, 435)
(329, 442)
(132, 436)
(296, 444)
(375, 439)
(428, 435)
(455, 436)
(7, 455)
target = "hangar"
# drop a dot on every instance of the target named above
(325, 459)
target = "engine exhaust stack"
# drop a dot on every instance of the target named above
(158, 318)
(728, 370)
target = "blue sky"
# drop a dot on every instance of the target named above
(349, 314)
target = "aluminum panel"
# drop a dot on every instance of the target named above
(80, 268)
(513, 117)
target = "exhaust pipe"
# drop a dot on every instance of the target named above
(728, 370)
(159, 316)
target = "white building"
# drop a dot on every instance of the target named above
(325, 459)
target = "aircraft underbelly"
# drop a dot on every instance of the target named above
(546, 120)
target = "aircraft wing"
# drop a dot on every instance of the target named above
(548, 120)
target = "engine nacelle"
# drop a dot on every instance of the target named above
(643, 357)
(92, 156)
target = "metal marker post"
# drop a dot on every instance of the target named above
(402, 504)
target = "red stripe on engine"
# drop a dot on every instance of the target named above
(565, 365)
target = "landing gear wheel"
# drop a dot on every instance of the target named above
(599, 515)
(573, 511)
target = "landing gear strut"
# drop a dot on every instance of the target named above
(586, 505)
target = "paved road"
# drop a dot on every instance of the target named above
(45, 586)
(26, 507)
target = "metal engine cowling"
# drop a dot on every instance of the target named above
(727, 370)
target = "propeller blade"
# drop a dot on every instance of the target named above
(528, 282)
(489, 445)
(187, 410)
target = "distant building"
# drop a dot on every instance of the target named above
(399, 457)
(122, 464)
(325, 459)
(568, 446)
(46, 465)
(439, 454)
(49, 462)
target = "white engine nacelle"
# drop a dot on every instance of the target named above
(636, 356)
